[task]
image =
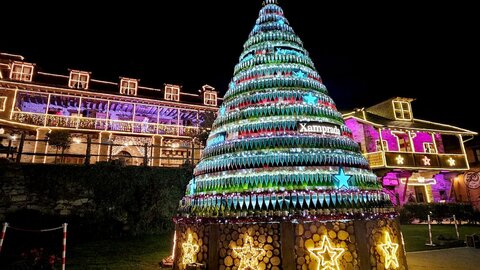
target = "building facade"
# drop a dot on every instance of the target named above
(416, 160)
(118, 118)
(467, 185)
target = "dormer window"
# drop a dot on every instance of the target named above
(21, 71)
(210, 98)
(209, 95)
(402, 110)
(128, 86)
(79, 79)
(172, 92)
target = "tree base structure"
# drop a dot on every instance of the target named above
(290, 245)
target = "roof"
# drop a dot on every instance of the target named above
(417, 124)
(42, 78)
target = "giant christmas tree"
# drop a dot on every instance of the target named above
(281, 183)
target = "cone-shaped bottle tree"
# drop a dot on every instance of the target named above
(279, 147)
(281, 183)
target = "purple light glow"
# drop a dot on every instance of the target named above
(419, 139)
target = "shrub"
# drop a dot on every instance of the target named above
(439, 212)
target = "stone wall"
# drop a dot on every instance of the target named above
(104, 198)
(17, 193)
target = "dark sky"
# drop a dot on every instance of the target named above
(365, 52)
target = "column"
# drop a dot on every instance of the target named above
(41, 145)
(157, 150)
(104, 147)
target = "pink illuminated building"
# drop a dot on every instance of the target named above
(119, 117)
(417, 160)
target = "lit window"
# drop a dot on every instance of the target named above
(402, 110)
(172, 92)
(21, 72)
(429, 148)
(79, 79)
(379, 147)
(3, 103)
(128, 87)
(210, 98)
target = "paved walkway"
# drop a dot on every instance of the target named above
(465, 258)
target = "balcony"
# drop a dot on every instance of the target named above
(424, 161)
(99, 124)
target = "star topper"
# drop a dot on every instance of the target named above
(389, 250)
(310, 99)
(342, 178)
(249, 256)
(190, 250)
(327, 255)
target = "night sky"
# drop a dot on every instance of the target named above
(365, 52)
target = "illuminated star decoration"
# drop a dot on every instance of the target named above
(249, 256)
(232, 85)
(281, 22)
(300, 74)
(390, 252)
(190, 251)
(327, 255)
(426, 161)
(451, 161)
(222, 110)
(400, 160)
(310, 99)
(342, 178)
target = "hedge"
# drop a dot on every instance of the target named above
(439, 212)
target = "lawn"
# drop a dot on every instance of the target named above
(417, 235)
(141, 253)
(145, 253)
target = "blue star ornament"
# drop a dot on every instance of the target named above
(310, 99)
(342, 178)
(222, 111)
(300, 74)
(281, 22)
(231, 85)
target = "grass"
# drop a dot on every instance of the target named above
(416, 236)
(145, 253)
(141, 253)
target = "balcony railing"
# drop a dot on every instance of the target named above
(84, 123)
(409, 160)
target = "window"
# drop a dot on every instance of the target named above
(210, 98)
(21, 72)
(477, 154)
(379, 147)
(429, 148)
(403, 141)
(79, 79)
(3, 101)
(172, 92)
(402, 110)
(128, 86)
